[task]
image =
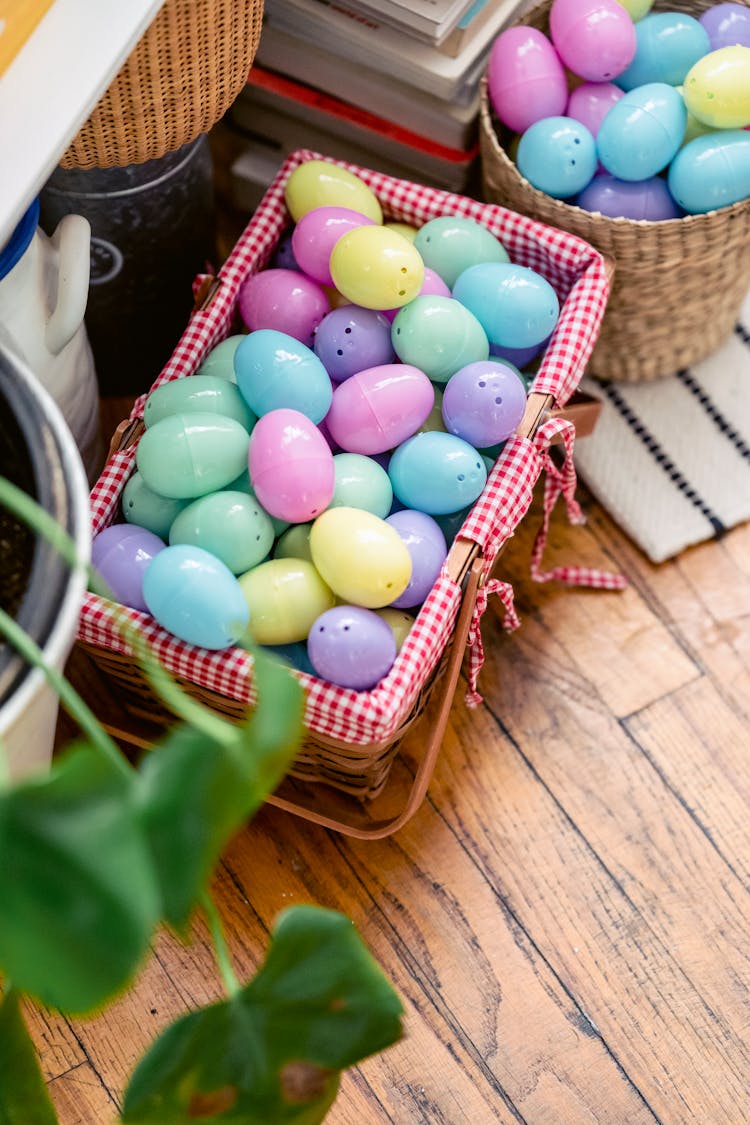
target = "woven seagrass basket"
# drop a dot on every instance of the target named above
(181, 77)
(678, 284)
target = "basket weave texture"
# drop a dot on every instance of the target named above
(353, 737)
(678, 284)
(182, 76)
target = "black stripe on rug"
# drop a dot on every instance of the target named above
(662, 459)
(743, 333)
(714, 413)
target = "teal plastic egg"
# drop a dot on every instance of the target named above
(436, 473)
(275, 370)
(284, 597)
(188, 455)
(711, 171)
(667, 45)
(438, 335)
(145, 508)
(294, 543)
(377, 268)
(242, 484)
(231, 525)
(451, 244)
(516, 306)
(198, 394)
(319, 183)
(220, 360)
(193, 595)
(717, 88)
(642, 132)
(361, 483)
(361, 557)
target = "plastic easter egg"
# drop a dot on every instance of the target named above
(316, 234)
(519, 357)
(283, 257)
(406, 229)
(319, 183)
(557, 156)
(434, 420)
(231, 525)
(398, 621)
(283, 300)
(525, 78)
(291, 466)
(188, 455)
(377, 268)
(450, 523)
(193, 595)
(484, 402)
(145, 508)
(352, 647)
(121, 554)
(276, 371)
(727, 25)
(516, 306)
(361, 483)
(426, 544)
(635, 199)
(432, 286)
(294, 655)
(198, 394)
(712, 171)
(436, 473)
(361, 557)
(220, 360)
(594, 38)
(637, 9)
(642, 132)
(438, 335)
(351, 339)
(717, 88)
(590, 103)
(294, 543)
(284, 597)
(451, 244)
(667, 45)
(242, 484)
(379, 408)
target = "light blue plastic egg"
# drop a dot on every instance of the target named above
(557, 155)
(642, 132)
(189, 455)
(275, 371)
(231, 525)
(712, 171)
(515, 305)
(361, 483)
(436, 473)
(198, 394)
(438, 335)
(451, 244)
(668, 44)
(220, 360)
(193, 595)
(146, 508)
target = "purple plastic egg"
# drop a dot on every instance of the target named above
(630, 199)
(525, 78)
(484, 402)
(727, 25)
(121, 554)
(595, 38)
(284, 258)
(316, 234)
(291, 466)
(432, 286)
(519, 357)
(379, 408)
(284, 300)
(426, 544)
(351, 339)
(351, 646)
(590, 103)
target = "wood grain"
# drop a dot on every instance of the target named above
(80, 1098)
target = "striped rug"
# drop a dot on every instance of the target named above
(670, 460)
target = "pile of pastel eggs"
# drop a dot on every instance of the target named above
(301, 489)
(628, 112)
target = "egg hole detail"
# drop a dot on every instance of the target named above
(348, 331)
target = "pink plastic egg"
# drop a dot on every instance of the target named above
(432, 286)
(379, 408)
(316, 234)
(595, 38)
(284, 300)
(291, 466)
(525, 78)
(591, 102)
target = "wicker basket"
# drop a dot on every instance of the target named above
(182, 76)
(678, 284)
(354, 737)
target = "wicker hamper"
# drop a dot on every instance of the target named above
(354, 737)
(678, 284)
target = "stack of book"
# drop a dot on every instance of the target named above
(390, 84)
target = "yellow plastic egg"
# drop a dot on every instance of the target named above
(694, 128)
(284, 597)
(318, 183)
(399, 622)
(406, 229)
(377, 268)
(717, 89)
(637, 9)
(362, 558)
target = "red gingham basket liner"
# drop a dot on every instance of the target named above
(576, 271)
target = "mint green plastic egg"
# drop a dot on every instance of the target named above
(361, 483)
(231, 525)
(294, 543)
(220, 360)
(451, 244)
(242, 484)
(145, 508)
(284, 596)
(376, 268)
(198, 394)
(319, 183)
(189, 455)
(438, 335)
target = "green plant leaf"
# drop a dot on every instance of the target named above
(79, 899)
(23, 1095)
(272, 1054)
(195, 792)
